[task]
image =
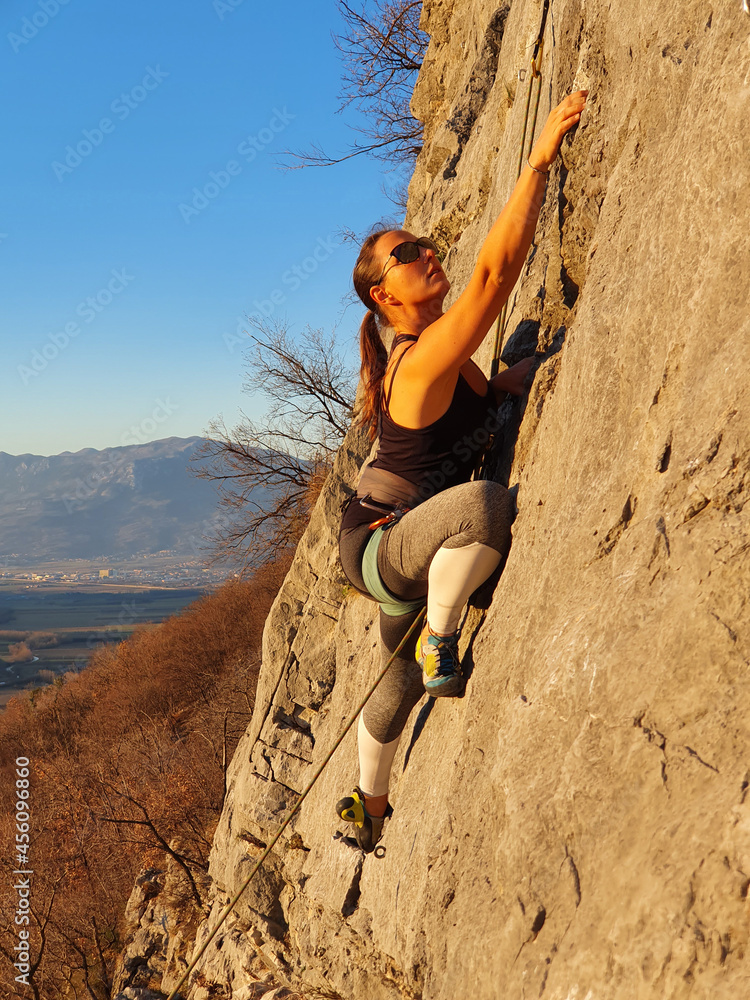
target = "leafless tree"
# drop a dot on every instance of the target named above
(41, 917)
(270, 472)
(156, 837)
(382, 49)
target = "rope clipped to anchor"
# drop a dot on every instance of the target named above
(536, 75)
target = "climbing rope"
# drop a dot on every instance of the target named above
(292, 812)
(536, 74)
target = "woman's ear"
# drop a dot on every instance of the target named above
(383, 298)
(378, 294)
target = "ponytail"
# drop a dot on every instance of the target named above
(372, 350)
(374, 361)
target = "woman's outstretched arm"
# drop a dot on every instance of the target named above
(451, 340)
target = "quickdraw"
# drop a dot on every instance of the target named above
(536, 74)
(391, 515)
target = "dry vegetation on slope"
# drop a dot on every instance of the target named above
(127, 764)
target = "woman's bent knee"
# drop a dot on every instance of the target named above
(486, 512)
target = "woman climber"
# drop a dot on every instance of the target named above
(417, 528)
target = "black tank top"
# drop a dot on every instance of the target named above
(444, 453)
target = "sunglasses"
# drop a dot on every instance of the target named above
(407, 253)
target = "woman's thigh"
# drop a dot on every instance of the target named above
(479, 511)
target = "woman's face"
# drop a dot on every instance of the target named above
(421, 281)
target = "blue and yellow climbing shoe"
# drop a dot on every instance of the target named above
(367, 829)
(437, 655)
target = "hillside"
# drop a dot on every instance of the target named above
(119, 502)
(576, 826)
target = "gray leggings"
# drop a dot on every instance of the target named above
(480, 512)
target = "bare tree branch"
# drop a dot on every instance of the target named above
(180, 859)
(382, 49)
(269, 473)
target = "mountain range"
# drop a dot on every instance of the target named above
(123, 501)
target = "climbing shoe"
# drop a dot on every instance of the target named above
(437, 655)
(367, 829)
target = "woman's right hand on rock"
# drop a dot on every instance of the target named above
(513, 379)
(561, 120)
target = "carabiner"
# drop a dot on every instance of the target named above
(383, 520)
(390, 518)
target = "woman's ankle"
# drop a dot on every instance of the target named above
(376, 805)
(439, 635)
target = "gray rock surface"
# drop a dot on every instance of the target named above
(163, 926)
(577, 826)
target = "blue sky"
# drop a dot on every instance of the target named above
(145, 213)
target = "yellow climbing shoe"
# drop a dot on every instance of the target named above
(367, 829)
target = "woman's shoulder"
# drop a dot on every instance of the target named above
(394, 361)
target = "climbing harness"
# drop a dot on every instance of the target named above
(389, 604)
(293, 811)
(536, 74)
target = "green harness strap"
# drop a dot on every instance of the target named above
(389, 604)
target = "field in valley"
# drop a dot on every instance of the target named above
(61, 626)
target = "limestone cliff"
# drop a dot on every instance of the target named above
(577, 826)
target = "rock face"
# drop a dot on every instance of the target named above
(577, 826)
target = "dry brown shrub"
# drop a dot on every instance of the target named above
(42, 640)
(128, 762)
(19, 652)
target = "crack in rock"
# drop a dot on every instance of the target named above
(615, 532)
